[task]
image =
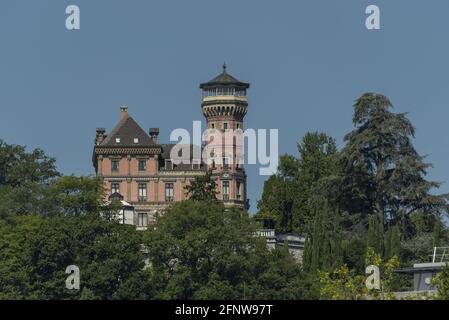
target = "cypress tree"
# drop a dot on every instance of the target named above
(315, 242)
(392, 242)
(371, 242)
(337, 249)
(375, 234)
(307, 254)
(325, 253)
(395, 246)
(437, 233)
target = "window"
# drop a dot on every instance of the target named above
(115, 188)
(142, 192)
(195, 165)
(225, 190)
(225, 162)
(168, 165)
(142, 165)
(238, 125)
(114, 165)
(117, 140)
(212, 125)
(238, 190)
(142, 219)
(169, 192)
(136, 140)
(225, 126)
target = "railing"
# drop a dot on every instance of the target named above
(440, 254)
(265, 233)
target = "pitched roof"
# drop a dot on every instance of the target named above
(224, 79)
(127, 130)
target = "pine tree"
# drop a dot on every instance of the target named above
(381, 173)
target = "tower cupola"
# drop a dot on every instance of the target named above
(224, 95)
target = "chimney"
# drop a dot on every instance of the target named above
(100, 136)
(123, 112)
(154, 132)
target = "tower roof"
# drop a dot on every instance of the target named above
(127, 130)
(224, 79)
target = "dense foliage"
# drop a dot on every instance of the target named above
(200, 250)
(370, 195)
(368, 203)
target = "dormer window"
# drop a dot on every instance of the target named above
(168, 165)
(117, 140)
(136, 140)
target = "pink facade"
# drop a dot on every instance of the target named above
(132, 162)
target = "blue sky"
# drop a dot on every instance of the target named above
(306, 60)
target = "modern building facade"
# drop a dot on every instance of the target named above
(424, 273)
(135, 165)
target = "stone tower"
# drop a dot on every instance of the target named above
(225, 105)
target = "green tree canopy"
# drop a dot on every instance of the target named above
(202, 188)
(35, 252)
(380, 172)
(201, 250)
(289, 195)
(24, 177)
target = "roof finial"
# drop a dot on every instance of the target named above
(224, 67)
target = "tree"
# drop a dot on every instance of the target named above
(24, 177)
(316, 162)
(276, 203)
(375, 235)
(323, 248)
(74, 196)
(200, 250)
(380, 171)
(437, 233)
(35, 252)
(392, 242)
(202, 188)
(290, 194)
(345, 284)
(441, 283)
(342, 284)
(337, 242)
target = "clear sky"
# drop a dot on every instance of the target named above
(306, 60)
